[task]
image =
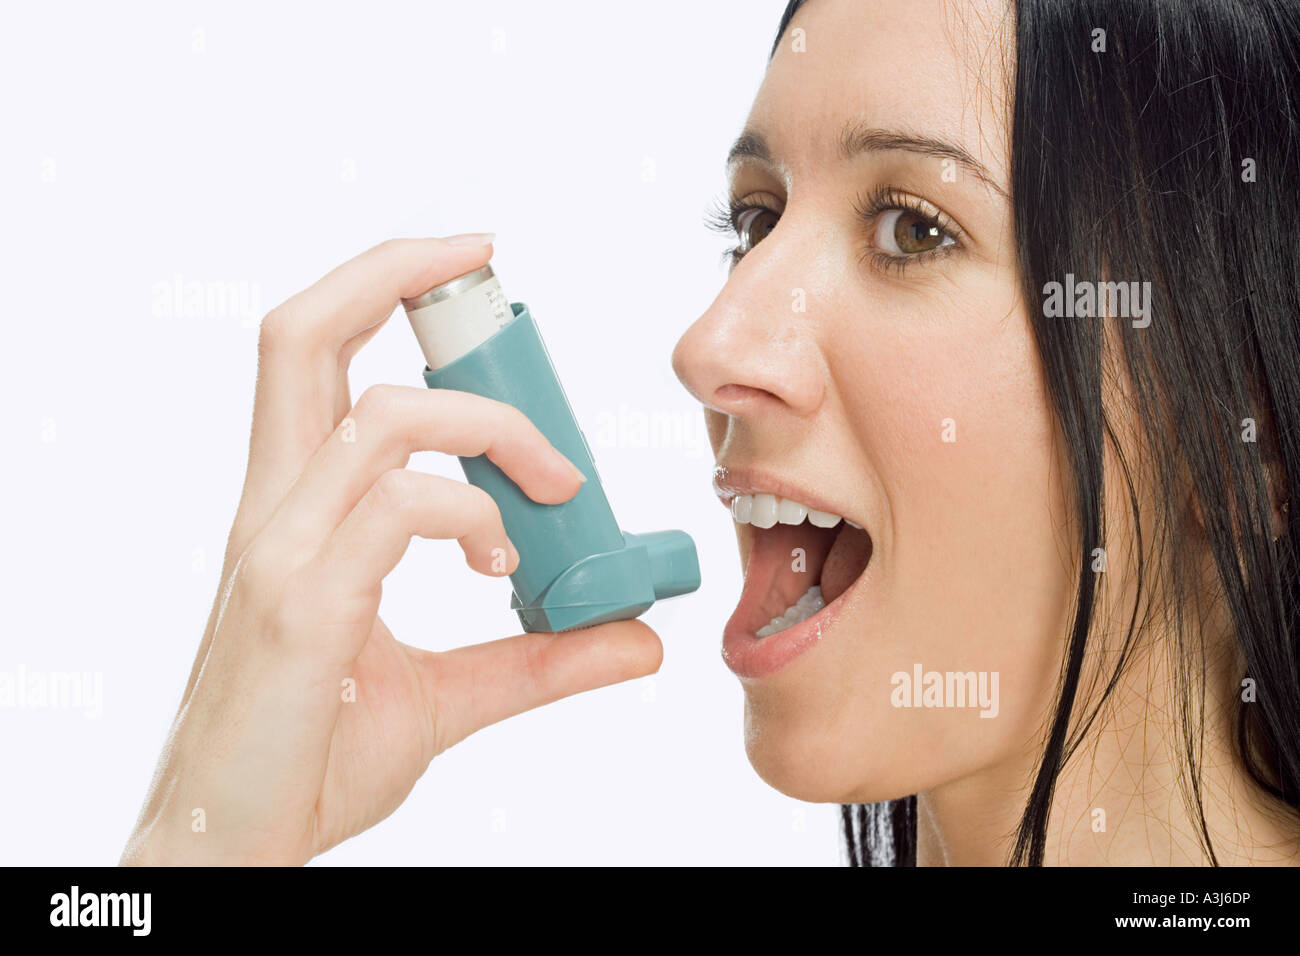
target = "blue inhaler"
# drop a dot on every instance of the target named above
(576, 568)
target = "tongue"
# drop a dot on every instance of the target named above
(847, 559)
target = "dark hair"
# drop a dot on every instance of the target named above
(1170, 155)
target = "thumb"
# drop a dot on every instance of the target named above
(472, 687)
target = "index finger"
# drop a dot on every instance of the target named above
(303, 353)
(364, 291)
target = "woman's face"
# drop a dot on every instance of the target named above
(871, 356)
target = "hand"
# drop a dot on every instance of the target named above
(264, 749)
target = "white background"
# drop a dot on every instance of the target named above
(256, 146)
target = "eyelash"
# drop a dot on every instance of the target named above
(724, 218)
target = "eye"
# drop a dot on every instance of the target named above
(746, 220)
(752, 226)
(903, 230)
(906, 232)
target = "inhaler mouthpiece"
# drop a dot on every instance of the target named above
(576, 567)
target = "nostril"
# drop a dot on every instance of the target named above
(733, 399)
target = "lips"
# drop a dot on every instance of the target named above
(788, 559)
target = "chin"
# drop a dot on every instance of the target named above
(807, 759)
(811, 740)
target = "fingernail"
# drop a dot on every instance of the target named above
(471, 239)
(577, 471)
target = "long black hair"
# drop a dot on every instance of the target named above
(1164, 150)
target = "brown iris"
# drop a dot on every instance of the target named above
(755, 224)
(914, 233)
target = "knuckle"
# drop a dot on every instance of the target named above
(536, 655)
(394, 490)
(281, 594)
(258, 585)
(279, 326)
(513, 421)
(484, 510)
(287, 618)
(377, 403)
(258, 566)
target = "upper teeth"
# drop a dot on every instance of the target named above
(764, 510)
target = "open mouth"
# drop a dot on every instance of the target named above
(803, 562)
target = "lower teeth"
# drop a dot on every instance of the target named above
(806, 607)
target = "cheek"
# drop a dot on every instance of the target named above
(981, 572)
(974, 574)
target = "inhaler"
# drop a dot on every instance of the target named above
(576, 568)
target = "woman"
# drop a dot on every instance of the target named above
(1015, 298)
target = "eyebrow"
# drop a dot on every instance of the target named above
(857, 138)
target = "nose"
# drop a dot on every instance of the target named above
(756, 348)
